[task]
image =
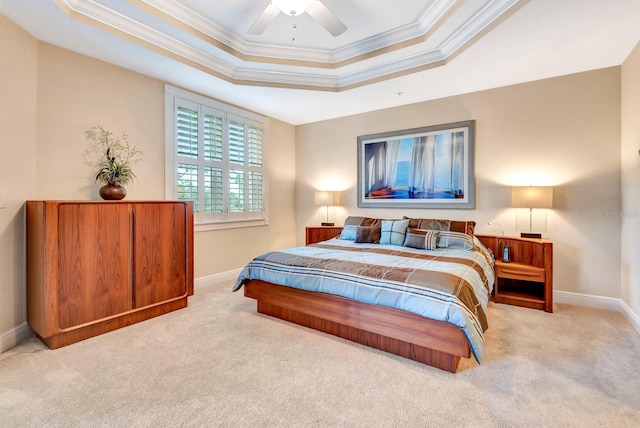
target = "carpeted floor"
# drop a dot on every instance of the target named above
(218, 363)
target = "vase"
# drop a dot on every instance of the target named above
(112, 192)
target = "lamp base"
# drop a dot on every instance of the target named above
(327, 224)
(531, 235)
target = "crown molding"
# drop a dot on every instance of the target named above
(199, 26)
(224, 55)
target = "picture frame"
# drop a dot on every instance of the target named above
(428, 167)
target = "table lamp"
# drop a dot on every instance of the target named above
(327, 199)
(531, 197)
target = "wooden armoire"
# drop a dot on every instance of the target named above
(95, 266)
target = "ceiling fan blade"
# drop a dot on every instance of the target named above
(263, 21)
(326, 18)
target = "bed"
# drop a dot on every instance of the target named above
(417, 288)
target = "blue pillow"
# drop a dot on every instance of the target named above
(393, 232)
(349, 233)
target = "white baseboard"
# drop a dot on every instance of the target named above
(588, 300)
(598, 302)
(217, 278)
(14, 336)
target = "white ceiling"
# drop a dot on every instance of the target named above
(393, 53)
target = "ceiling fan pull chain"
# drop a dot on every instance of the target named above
(293, 30)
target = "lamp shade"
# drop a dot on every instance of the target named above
(327, 198)
(532, 197)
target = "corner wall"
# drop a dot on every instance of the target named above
(18, 69)
(563, 132)
(630, 158)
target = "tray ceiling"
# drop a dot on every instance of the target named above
(392, 53)
(397, 37)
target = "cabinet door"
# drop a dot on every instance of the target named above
(93, 246)
(160, 252)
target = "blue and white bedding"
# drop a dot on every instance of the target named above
(449, 284)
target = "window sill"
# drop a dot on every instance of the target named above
(221, 225)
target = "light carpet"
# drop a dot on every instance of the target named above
(218, 363)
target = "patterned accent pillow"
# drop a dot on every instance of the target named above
(393, 232)
(367, 235)
(457, 240)
(421, 238)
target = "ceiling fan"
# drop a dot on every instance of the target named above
(293, 8)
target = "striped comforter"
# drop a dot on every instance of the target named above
(449, 285)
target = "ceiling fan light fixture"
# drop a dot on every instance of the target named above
(292, 7)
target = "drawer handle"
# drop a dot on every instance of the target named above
(518, 272)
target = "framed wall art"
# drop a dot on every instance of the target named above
(429, 167)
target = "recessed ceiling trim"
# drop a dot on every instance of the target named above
(475, 25)
(402, 66)
(280, 75)
(399, 38)
(198, 26)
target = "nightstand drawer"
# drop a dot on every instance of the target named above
(520, 271)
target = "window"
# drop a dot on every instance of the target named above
(215, 158)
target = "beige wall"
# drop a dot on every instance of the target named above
(56, 96)
(630, 156)
(18, 67)
(221, 251)
(75, 91)
(563, 132)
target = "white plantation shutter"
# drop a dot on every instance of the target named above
(187, 132)
(254, 145)
(255, 187)
(214, 191)
(188, 184)
(255, 192)
(219, 160)
(236, 143)
(213, 136)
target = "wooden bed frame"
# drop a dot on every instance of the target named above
(436, 343)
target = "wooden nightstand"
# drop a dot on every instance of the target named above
(527, 280)
(321, 233)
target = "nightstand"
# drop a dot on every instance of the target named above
(321, 233)
(527, 280)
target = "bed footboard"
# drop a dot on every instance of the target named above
(435, 343)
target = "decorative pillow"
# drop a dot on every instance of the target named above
(457, 240)
(367, 235)
(393, 231)
(352, 222)
(450, 225)
(348, 233)
(421, 238)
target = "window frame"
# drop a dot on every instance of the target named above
(176, 96)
